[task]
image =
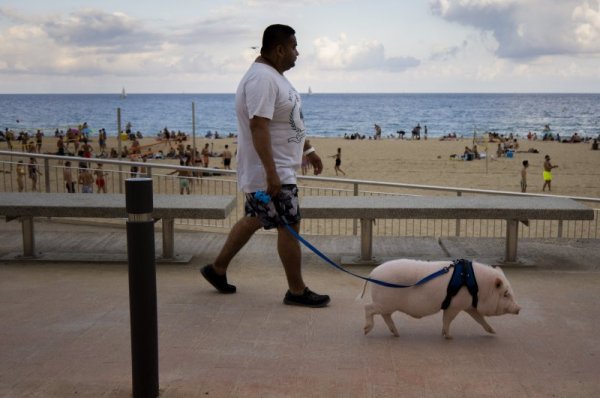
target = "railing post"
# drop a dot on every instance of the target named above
(47, 174)
(457, 233)
(355, 221)
(142, 287)
(512, 236)
(560, 228)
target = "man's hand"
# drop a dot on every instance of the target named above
(273, 185)
(315, 162)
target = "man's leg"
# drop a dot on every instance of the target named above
(239, 235)
(288, 248)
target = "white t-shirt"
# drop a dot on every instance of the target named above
(266, 93)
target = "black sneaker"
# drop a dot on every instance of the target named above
(308, 298)
(218, 281)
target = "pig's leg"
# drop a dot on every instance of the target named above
(480, 319)
(370, 311)
(390, 323)
(448, 317)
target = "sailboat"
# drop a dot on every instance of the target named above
(123, 94)
(309, 90)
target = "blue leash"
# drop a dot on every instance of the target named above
(263, 197)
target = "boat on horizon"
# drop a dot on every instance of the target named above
(123, 94)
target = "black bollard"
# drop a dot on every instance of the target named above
(142, 287)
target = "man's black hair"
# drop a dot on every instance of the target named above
(275, 35)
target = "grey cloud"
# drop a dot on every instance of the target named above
(522, 29)
(398, 64)
(211, 31)
(449, 53)
(107, 32)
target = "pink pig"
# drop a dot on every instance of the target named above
(495, 296)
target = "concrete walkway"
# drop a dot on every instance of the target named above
(65, 326)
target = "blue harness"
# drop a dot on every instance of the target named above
(463, 275)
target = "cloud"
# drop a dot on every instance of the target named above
(529, 29)
(93, 42)
(113, 32)
(341, 54)
(450, 52)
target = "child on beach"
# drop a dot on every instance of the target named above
(338, 161)
(184, 176)
(21, 175)
(100, 181)
(524, 176)
(86, 180)
(68, 177)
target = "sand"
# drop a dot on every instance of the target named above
(429, 163)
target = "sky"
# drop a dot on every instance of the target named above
(346, 46)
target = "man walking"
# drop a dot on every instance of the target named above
(271, 142)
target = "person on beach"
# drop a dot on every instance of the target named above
(227, 158)
(39, 136)
(10, 137)
(184, 176)
(338, 161)
(21, 176)
(86, 180)
(34, 172)
(68, 177)
(377, 131)
(524, 176)
(271, 141)
(60, 147)
(99, 173)
(548, 174)
(205, 155)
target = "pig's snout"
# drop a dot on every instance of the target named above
(515, 310)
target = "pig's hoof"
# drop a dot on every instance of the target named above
(490, 330)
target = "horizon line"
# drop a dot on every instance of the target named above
(313, 93)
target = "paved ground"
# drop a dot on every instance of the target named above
(65, 326)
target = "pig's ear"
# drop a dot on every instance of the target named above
(498, 283)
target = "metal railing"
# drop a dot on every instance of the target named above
(209, 181)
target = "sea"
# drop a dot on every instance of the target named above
(326, 115)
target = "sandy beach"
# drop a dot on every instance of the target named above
(427, 162)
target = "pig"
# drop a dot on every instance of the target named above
(495, 295)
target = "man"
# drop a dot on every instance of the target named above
(271, 142)
(227, 158)
(548, 174)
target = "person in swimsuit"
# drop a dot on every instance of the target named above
(524, 176)
(338, 161)
(548, 173)
(100, 181)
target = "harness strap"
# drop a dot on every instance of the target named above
(463, 275)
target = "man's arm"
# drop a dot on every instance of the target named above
(313, 158)
(261, 138)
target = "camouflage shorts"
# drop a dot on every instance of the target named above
(281, 210)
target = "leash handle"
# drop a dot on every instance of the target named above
(265, 198)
